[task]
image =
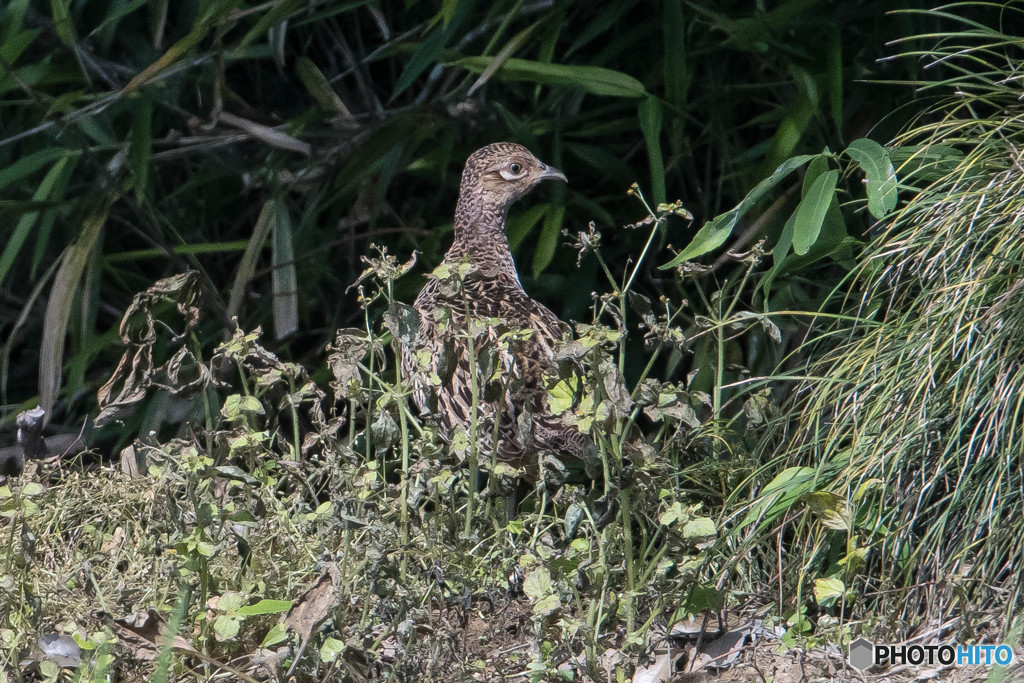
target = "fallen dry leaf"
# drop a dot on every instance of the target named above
(316, 604)
(146, 633)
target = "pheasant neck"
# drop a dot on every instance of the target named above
(480, 236)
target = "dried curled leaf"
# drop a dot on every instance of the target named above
(136, 372)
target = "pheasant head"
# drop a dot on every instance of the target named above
(494, 177)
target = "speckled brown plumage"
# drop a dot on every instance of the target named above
(494, 177)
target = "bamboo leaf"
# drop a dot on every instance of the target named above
(677, 72)
(810, 213)
(58, 309)
(203, 25)
(278, 11)
(548, 239)
(247, 267)
(716, 231)
(319, 87)
(12, 18)
(285, 280)
(25, 224)
(880, 177)
(44, 228)
(834, 77)
(424, 56)
(599, 26)
(504, 54)
(141, 143)
(448, 9)
(12, 47)
(595, 80)
(429, 50)
(521, 224)
(650, 124)
(29, 164)
(62, 21)
(158, 21)
(117, 12)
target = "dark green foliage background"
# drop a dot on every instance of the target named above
(739, 86)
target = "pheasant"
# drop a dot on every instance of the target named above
(475, 315)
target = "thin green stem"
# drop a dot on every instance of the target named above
(474, 411)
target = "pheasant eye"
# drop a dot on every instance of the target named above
(513, 171)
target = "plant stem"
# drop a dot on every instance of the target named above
(404, 424)
(627, 537)
(474, 465)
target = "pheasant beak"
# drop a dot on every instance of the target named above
(551, 173)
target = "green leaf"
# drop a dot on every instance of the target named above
(28, 219)
(595, 80)
(810, 213)
(58, 310)
(206, 549)
(319, 87)
(403, 322)
(674, 513)
(428, 51)
(279, 10)
(31, 163)
(780, 494)
(331, 650)
(650, 124)
(141, 142)
(32, 488)
(208, 20)
(12, 47)
(12, 19)
(285, 281)
(448, 9)
(115, 13)
(827, 591)
(831, 509)
(716, 231)
(521, 224)
(266, 607)
(549, 604)
(275, 635)
(540, 589)
(247, 267)
(880, 177)
(230, 601)
(699, 527)
(62, 21)
(560, 397)
(236, 407)
(548, 239)
(677, 72)
(225, 627)
(599, 26)
(834, 76)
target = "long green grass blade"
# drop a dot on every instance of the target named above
(650, 124)
(247, 267)
(592, 79)
(58, 310)
(548, 243)
(285, 279)
(25, 224)
(141, 143)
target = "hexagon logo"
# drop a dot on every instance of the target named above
(862, 654)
